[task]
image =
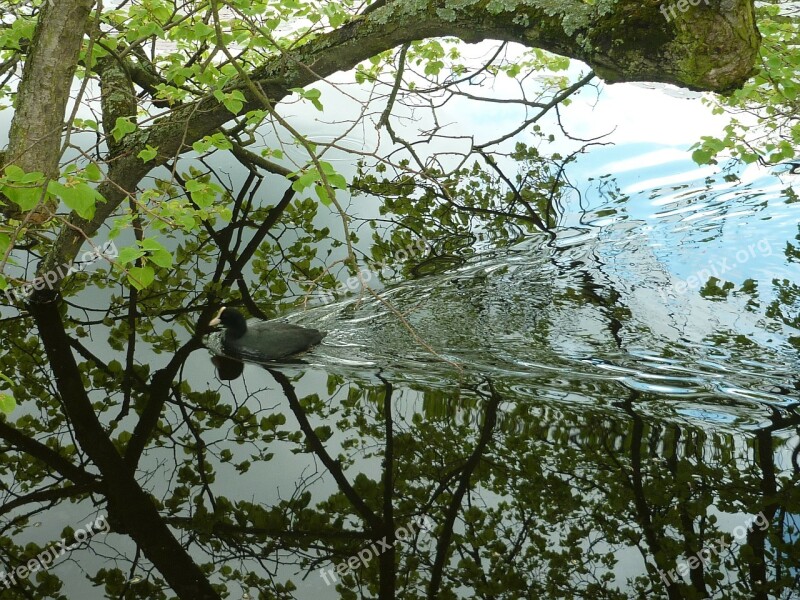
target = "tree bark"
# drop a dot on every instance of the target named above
(35, 135)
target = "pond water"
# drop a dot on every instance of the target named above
(608, 412)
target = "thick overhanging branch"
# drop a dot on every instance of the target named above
(712, 46)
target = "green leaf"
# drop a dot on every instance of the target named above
(203, 194)
(186, 221)
(22, 188)
(305, 180)
(337, 181)
(7, 404)
(122, 127)
(433, 67)
(148, 154)
(313, 95)
(233, 105)
(701, 157)
(162, 13)
(36, 177)
(14, 173)
(24, 197)
(322, 194)
(254, 117)
(85, 123)
(218, 140)
(157, 253)
(78, 196)
(202, 146)
(93, 172)
(129, 254)
(233, 101)
(327, 167)
(141, 277)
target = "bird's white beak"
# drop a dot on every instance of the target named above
(215, 321)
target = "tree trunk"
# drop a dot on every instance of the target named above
(35, 136)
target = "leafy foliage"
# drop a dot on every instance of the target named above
(764, 125)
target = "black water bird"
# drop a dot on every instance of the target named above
(259, 340)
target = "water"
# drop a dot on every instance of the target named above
(575, 417)
(640, 414)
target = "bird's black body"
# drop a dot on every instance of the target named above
(260, 340)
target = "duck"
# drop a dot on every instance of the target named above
(259, 340)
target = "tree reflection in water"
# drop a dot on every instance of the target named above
(543, 476)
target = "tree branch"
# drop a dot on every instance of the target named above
(654, 49)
